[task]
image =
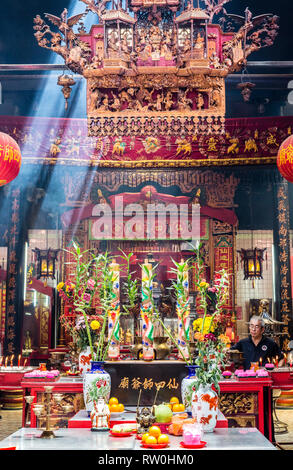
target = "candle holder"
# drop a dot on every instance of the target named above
(43, 410)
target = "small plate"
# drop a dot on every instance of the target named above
(120, 434)
(193, 446)
(116, 413)
(154, 446)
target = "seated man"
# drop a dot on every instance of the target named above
(257, 345)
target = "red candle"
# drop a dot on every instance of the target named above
(6, 360)
(1, 360)
(18, 362)
(24, 362)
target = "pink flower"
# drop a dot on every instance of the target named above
(91, 284)
(210, 337)
(87, 297)
(212, 289)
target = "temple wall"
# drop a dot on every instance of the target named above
(259, 288)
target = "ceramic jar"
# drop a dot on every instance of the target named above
(205, 401)
(188, 386)
(96, 384)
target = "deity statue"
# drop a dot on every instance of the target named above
(128, 337)
(100, 416)
(215, 99)
(27, 344)
(159, 101)
(28, 340)
(155, 35)
(121, 335)
(145, 418)
(112, 43)
(215, 61)
(94, 99)
(199, 40)
(116, 105)
(124, 46)
(184, 103)
(105, 104)
(200, 101)
(168, 100)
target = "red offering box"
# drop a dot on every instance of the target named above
(282, 377)
(40, 379)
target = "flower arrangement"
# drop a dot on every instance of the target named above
(210, 341)
(94, 279)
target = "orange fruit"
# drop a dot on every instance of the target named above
(151, 440)
(120, 407)
(114, 408)
(182, 407)
(163, 439)
(177, 407)
(113, 401)
(144, 436)
(170, 405)
(174, 400)
(154, 431)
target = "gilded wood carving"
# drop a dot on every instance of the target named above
(155, 67)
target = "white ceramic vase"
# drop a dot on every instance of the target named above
(188, 386)
(96, 384)
(205, 407)
(84, 360)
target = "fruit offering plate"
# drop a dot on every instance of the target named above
(193, 446)
(154, 446)
(120, 434)
(72, 374)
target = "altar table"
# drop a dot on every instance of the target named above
(82, 420)
(85, 439)
(244, 402)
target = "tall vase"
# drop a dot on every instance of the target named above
(188, 386)
(84, 360)
(183, 313)
(205, 401)
(96, 384)
(114, 314)
(146, 312)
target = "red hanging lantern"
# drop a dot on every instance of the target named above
(285, 159)
(10, 159)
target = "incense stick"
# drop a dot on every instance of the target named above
(156, 397)
(138, 399)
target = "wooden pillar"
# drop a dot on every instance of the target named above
(15, 274)
(282, 257)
